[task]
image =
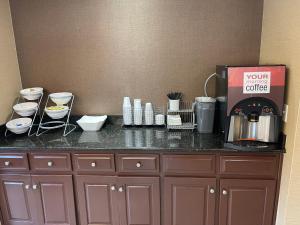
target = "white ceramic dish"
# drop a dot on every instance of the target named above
(58, 113)
(32, 93)
(26, 108)
(61, 98)
(91, 123)
(19, 126)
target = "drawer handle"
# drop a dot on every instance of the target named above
(113, 188)
(224, 192)
(121, 189)
(7, 163)
(93, 164)
(138, 165)
(50, 164)
(34, 187)
(27, 186)
(212, 191)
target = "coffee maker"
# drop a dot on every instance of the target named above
(250, 104)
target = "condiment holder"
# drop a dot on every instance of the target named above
(183, 118)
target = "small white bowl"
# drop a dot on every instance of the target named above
(57, 112)
(32, 93)
(26, 108)
(61, 98)
(91, 123)
(19, 126)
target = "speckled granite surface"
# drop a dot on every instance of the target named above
(114, 137)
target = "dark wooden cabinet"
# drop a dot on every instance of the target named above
(37, 200)
(118, 200)
(247, 202)
(16, 199)
(139, 200)
(189, 201)
(138, 189)
(97, 201)
(54, 199)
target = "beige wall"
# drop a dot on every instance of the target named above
(104, 50)
(281, 44)
(10, 82)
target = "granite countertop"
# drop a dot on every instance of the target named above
(115, 137)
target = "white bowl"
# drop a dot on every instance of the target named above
(59, 113)
(61, 98)
(32, 93)
(91, 123)
(26, 108)
(19, 126)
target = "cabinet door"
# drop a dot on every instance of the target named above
(139, 199)
(55, 199)
(189, 201)
(16, 199)
(97, 200)
(247, 202)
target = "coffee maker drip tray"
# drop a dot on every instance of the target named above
(251, 145)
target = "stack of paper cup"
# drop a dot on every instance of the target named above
(137, 112)
(148, 114)
(127, 111)
(159, 119)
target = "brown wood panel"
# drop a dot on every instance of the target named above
(139, 202)
(139, 47)
(189, 164)
(97, 203)
(138, 163)
(247, 202)
(103, 163)
(50, 162)
(14, 162)
(189, 201)
(54, 199)
(246, 166)
(16, 201)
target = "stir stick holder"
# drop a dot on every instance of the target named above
(46, 125)
(20, 99)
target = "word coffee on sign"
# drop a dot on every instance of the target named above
(256, 82)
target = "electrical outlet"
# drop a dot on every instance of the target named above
(285, 112)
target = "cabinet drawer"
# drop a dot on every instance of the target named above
(14, 162)
(189, 164)
(138, 163)
(50, 162)
(94, 162)
(253, 166)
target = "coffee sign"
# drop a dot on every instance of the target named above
(256, 82)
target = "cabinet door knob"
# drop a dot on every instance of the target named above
(212, 191)
(7, 163)
(121, 189)
(27, 186)
(93, 164)
(34, 187)
(50, 164)
(224, 192)
(138, 165)
(113, 188)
